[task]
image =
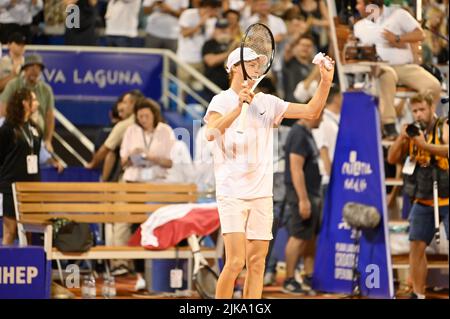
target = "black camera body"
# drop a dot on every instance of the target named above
(413, 129)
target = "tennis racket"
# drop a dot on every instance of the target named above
(204, 278)
(258, 38)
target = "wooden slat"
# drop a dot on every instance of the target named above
(34, 222)
(104, 187)
(104, 197)
(91, 218)
(87, 208)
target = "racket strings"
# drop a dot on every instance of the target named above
(206, 281)
(259, 40)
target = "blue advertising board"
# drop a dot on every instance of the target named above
(357, 176)
(25, 273)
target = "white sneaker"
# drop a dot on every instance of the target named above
(140, 284)
(269, 279)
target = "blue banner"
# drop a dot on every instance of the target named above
(357, 176)
(25, 273)
(101, 75)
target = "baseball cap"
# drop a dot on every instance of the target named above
(235, 56)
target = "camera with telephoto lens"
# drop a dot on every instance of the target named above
(413, 129)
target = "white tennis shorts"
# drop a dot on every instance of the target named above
(254, 217)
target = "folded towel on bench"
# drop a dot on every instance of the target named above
(169, 225)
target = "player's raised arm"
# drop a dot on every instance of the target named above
(314, 107)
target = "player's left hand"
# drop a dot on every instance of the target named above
(325, 74)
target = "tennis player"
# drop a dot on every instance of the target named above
(243, 167)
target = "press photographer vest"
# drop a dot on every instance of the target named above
(419, 185)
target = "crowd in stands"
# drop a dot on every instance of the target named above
(141, 147)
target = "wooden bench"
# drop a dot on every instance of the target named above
(36, 203)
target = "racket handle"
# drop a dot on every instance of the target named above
(242, 118)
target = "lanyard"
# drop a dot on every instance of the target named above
(147, 145)
(28, 137)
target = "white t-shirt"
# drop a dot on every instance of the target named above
(203, 161)
(325, 136)
(164, 25)
(243, 163)
(122, 18)
(190, 48)
(394, 19)
(277, 26)
(182, 170)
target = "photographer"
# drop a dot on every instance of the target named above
(423, 147)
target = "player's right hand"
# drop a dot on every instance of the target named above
(246, 95)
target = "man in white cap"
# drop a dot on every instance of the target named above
(243, 166)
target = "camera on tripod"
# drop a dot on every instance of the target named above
(413, 129)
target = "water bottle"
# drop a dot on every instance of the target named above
(109, 287)
(88, 289)
(92, 288)
(105, 287)
(112, 287)
(85, 288)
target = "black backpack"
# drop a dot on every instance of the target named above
(69, 236)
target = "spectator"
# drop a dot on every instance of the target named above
(393, 33)
(197, 26)
(215, 53)
(20, 141)
(276, 25)
(424, 155)
(11, 64)
(115, 117)
(279, 8)
(145, 155)
(16, 16)
(115, 137)
(146, 145)
(31, 79)
(237, 5)
(162, 23)
(435, 47)
(295, 24)
(315, 13)
(111, 165)
(233, 18)
(302, 179)
(46, 158)
(85, 34)
(299, 69)
(122, 19)
(326, 135)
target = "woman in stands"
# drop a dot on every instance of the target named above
(145, 153)
(20, 141)
(146, 145)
